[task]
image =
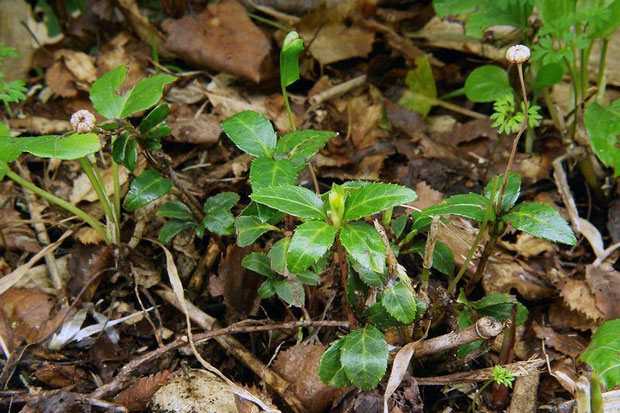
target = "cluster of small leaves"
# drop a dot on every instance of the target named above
(503, 376)
(540, 220)
(217, 217)
(505, 118)
(498, 306)
(12, 91)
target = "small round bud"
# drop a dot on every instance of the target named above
(83, 121)
(518, 54)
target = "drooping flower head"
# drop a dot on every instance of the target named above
(83, 121)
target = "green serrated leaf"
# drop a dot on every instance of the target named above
(175, 209)
(542, 221)
(398, 225)
(290, 291)
(511, 193)
(331, 371)
(250, 228)
(220, 222)
(603, 126)
(487, 83)
(172, 228)
(300, 146)
(379, 317)
(499, 306)
(603, 353)
(146, 188)
(71, 147)
(145, 94)
(400, 302)
(376, 197)
(467, 205)
(293, 200)
(309, 243)
(364, 357)
(259, 263)
(308, 277)
(266, 172)
(443, 259)
(251, 132)
(221, 202)
(365, 245)
(292, 46)
(277, 255)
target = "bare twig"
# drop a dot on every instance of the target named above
(61, 397)
(519, 369)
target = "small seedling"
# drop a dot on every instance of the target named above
(13, 91)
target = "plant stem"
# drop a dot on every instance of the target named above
(8, 109)
(601, 83)
(456, 108)
(473, 403)
(117, 186)
(90, 220)
(101, 194)
(431, 240)
(344, 273)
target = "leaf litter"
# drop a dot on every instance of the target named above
(224, 57)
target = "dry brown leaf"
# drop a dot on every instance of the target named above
(28, 315)
(566, 344)
(562, 317)
(240, 285)
(118, 51)
(528, 245)
(72, 71)
(17, 235)
(40, 126)
(86, 263)
(604, 281)
(299, 365)
(365, 115)
(58, 376)
(137, 396)
(427, 196)
(222, 38)
(82, 189)
(335, 41)
(204, 129)
(578, 296)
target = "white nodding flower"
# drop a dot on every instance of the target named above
(518, 54)
(83, 121)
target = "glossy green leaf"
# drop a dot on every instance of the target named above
(175, 209)
(330, 369)
(266, 172)
(308, 277)
(550, 10)
(157, 115)
(548, 75)
(606, 27)
(466, 205)
(376, 197)
(368, 276)
(422, 90)
(603, 353)
(146, 188)
(542, 221)
(250, 228)
(221, 202)
(511, 193)
(293, 200)
(289, 58)
(398, 225)
(267, 289)
(71, 147)
(499, 306)
(263, 212)
(290, 291)
(443, 259)
(400, 302)
(4, 130)
(125, 151)
(277, 255)
(603, 126)
(252, 133)
(300, 146)
(259, 263)
(220, 222)
(365, 245)
(379, 317)
(172, 228)
(145, 94)
(364, 357)
(309, 243)
(487, 83)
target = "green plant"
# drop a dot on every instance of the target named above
(124, 138)
(501, 376)
(603, 353)
(13, 91)
(506, 120)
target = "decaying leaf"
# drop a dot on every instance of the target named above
(604, 282)
(17, 236)
(570, 345)
(578, 296)
(239, 285)
(137, 396)
(223, 38)
(85, 264)
(71, 72)
(299, 366)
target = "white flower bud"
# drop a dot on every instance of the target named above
(83, 121)
(518, 54)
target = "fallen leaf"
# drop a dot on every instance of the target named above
(562, 317)
(137, 396)
(299, 365)
(40, 126)
(365, 115)
(427, 196)
(240, 285)
(570, 345)
(221, 38)
(86, 263)
(528, 246)
(578, 296)
(72, 71)
(58, 376)
(604, 282)
(16, 235)
(203, 130)
(122, 49)
(335, 41)
(82, 189)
